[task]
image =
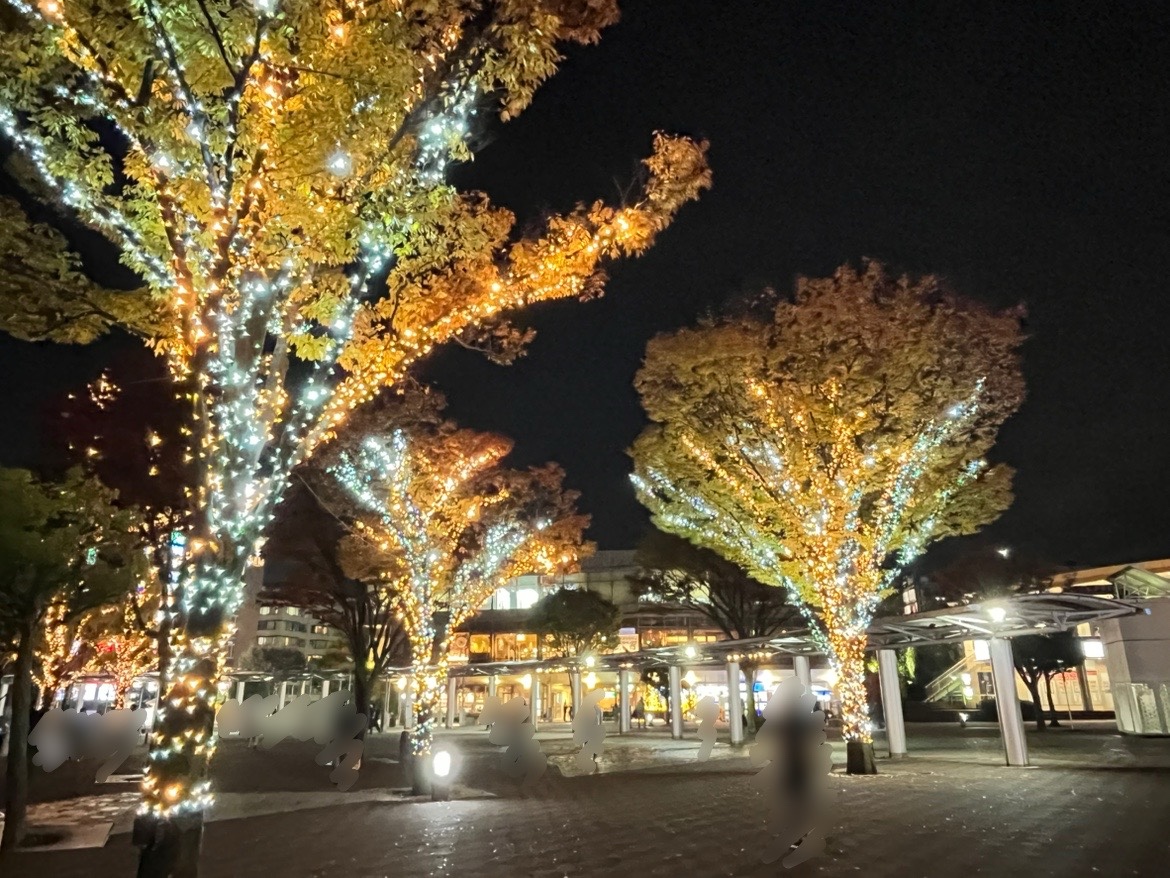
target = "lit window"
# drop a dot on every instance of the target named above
(526, 597)
(982, 652)
(264, 611)
(292, 611)
(503, 599)
(1093, 649)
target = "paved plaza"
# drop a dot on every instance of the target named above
(1093, 804)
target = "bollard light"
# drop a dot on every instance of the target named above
(444, 764)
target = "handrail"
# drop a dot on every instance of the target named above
(941, 686)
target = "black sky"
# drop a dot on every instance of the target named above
(1020, 149)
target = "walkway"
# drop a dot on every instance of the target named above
(1094, 805)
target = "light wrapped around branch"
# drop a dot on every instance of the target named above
(823, 446)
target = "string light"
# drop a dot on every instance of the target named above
(803, 472)
(260, 245)
(419, 491)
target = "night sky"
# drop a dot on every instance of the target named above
(1020, 149)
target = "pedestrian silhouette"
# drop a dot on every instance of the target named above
(707, 711)
(795, 762)
(508, 727)
(588, 731)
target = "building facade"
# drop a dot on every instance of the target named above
(260, 625)
(1126, 662)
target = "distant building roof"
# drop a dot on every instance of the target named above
(608, 559)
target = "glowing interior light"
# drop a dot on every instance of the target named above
(441, 763)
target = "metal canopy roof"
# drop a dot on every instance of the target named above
(1139, 583)
(1013, 616)
(1003, 617)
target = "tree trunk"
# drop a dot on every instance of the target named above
(749, 702)
(1052, 721)
(170, 846)
(1033, 685)
(422, 739)
(176, 789)
(16, 785)
(429, 685)
(163, 642)
(177, 771)
(361, 695)
(849, 662)
(428, 668)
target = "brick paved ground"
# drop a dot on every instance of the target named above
(1096, 804)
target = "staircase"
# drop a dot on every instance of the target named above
(947, 687)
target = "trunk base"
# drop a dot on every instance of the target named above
(859, 758)
(170, 848)
(413, 768)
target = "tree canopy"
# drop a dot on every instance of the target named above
(439, 523)
(65, 550)
(274, 172)
(1038, 656)
(576, 621)
(673, 571)
(822, 441)
(281, 662)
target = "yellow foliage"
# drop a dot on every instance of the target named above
(824, 441)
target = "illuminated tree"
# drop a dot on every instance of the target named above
(63, 551)
(822, 442)
(678, 573)
(446, 525)
(122, 650)
(263, 167)
(63, 650)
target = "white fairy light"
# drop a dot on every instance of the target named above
(339, 163)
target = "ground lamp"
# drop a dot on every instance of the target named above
(444, 765)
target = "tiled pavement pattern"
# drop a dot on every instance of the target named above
(1096, 805)
(84, 810)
